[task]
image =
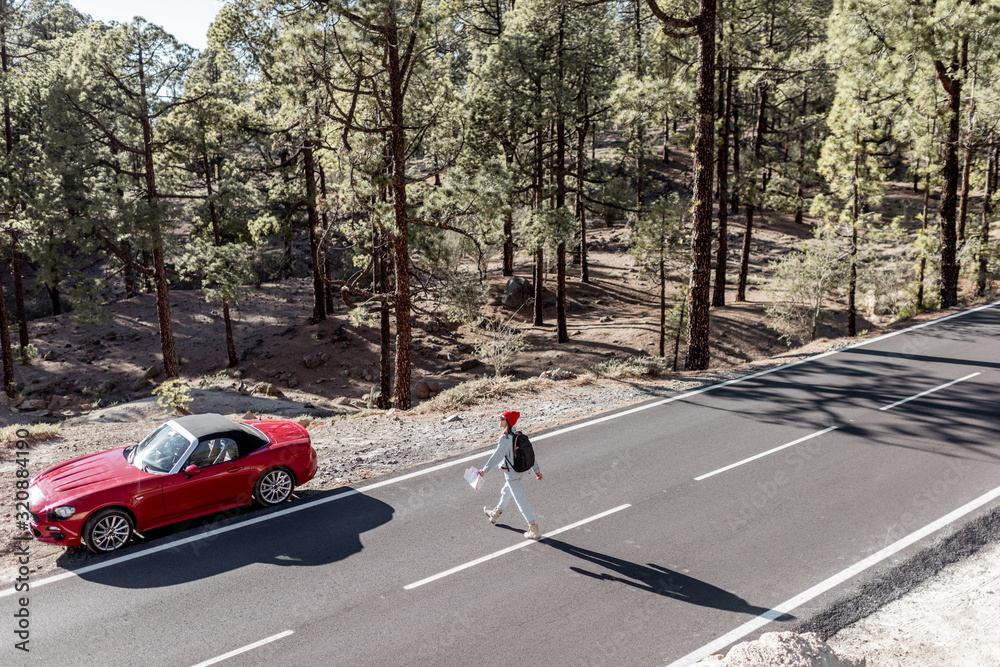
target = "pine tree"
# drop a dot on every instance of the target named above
(914, 46)
(701, 25)
(203, 149)
(122, 81)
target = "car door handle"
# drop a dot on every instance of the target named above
(235, 469)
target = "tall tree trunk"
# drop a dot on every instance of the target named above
(800, 186)
(677, 334)
(128, 273)
(53, 289)
(539, 277)
(508, 226)
(640, 175)
(325, 243)
(309, 167)
(852, 283)
(666, 137)
(704, 158)
(15, 269)
(637, 36)
(562, 333)
(217, 240)
(6, 353)
(984, 229)
(538, 196)
(741, 290)
(128, 270)
(159, 264)
(148, 278)
(662, 273)
(401, 391)
(970, 131)
(735, 103)
(581, 207)
(923, 255)
(383, 398)
(382, 258)
(15, 251)
(963, 200)
(722, 248)
(952, 84)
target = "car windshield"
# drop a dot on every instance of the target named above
(160, 451)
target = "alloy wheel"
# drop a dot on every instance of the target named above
(275, 487)
(111, 532)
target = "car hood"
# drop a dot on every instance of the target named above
(86, 474)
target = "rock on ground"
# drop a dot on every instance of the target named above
(784, 649)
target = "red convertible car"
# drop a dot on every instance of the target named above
(188, 467)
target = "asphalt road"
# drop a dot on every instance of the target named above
(679, 527)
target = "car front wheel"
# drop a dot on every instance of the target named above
(273, 487)
(108, 530)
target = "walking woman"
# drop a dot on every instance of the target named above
(503, 457)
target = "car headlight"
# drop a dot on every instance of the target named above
(64, 512)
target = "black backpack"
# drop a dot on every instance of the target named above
(524, 454)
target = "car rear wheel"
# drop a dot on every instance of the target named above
(108, 530)
(274, 486)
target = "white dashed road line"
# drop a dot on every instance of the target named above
(248, 647)
(763, 454)
(834, 581)
(929, 391)
(519, 545)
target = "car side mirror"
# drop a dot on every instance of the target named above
(191, 471)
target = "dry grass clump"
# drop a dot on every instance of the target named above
(480, 389)
(632, 367)
(36, 433)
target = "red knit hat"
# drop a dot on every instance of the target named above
(511, 417)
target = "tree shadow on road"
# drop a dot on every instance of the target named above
(323, 529)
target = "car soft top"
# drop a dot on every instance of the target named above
(217, 426)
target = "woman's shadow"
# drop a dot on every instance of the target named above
(661, 581)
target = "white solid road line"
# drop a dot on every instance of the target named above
(929, 391)
(519, 545)
(248, 647)
(837, 579)
(763, 454)
(472, 457)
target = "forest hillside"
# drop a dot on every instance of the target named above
(380, 200)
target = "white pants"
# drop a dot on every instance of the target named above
(513, 489)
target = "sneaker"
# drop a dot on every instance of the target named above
(532, 532)
(493, 514)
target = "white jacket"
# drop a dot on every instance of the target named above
(503, 457)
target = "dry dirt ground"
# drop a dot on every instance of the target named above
(950, 619)
(95, 381)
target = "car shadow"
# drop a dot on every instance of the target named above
(318, 529)
(659, 580)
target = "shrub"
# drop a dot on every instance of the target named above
(464, 295)
(213, 380)
(501, 344)
(25, 354)
(174, 394)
